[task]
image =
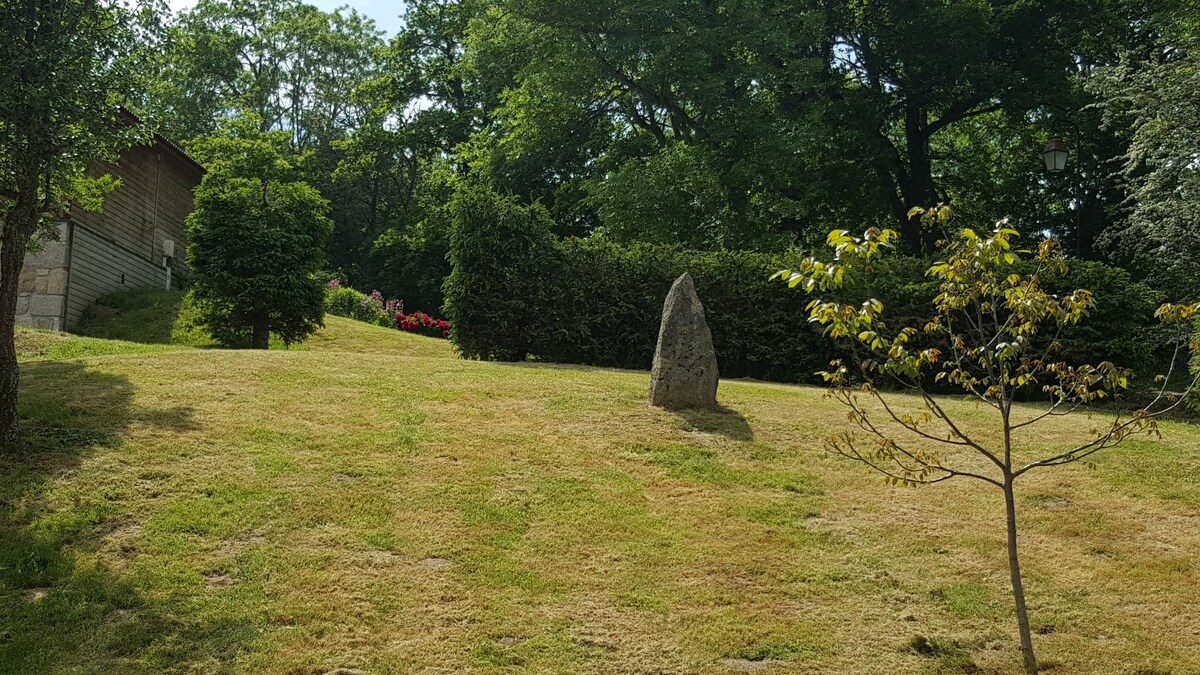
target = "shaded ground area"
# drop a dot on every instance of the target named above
(62, 603)
(145, 316)
(291, 512)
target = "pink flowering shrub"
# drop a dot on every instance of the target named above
(341, 300)
(423, 324)
(345, 301)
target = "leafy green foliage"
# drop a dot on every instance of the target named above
(598, 302)
(409, 259)
(295, 69)
(609, 305)
(751, 126)
(411, 263)
(290, 64)
(1120, 326)
(676, 196)
(500, 252)
(352, 304)
(740, 125)
(67, 66)
(993, 312)
(517, 291)
(1153, 101)
(257, 242)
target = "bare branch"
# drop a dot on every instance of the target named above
(1053, 411)
(851, 452)
(861, 418)
(960, 358)
(1143, 420)
(937, 410)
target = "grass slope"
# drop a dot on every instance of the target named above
(145, 321)
(373, 503)
(44, 345)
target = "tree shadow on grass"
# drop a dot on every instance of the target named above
(70, 408)
(145, 316)
(723, 422)
(62, 609)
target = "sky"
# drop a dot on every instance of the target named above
(385, 12)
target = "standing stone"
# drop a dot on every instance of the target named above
(684, 374)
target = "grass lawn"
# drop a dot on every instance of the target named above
(373, 503)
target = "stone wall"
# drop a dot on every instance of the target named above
(42, 286)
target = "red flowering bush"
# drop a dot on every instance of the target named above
(423, 324)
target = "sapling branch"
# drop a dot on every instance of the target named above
(936, 408)
(845, 447)
(924, 461)
(961, 362)
(1142, 421)
(1052, 412)
(991, 317)
(914, 426)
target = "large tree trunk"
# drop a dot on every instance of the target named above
(1018, 588)
(261, 337)
(18, 226)
(10, 375)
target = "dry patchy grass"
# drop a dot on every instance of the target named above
(399, 511)
(341, 334)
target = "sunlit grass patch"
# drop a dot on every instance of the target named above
(395, 510)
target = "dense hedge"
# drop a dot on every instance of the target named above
(516, 291)
(345, 301)
(503, 263)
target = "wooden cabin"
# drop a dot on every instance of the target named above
(139, 240)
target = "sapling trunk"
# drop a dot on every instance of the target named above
(1018, 588)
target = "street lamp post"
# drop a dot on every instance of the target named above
(1055, 153)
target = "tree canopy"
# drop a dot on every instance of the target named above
(257, 240)
(68, 65)
(705, 124)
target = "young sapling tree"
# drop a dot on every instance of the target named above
(998, 330)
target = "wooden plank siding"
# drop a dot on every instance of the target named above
(121, 246)
(151, 204)
(100, 267)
